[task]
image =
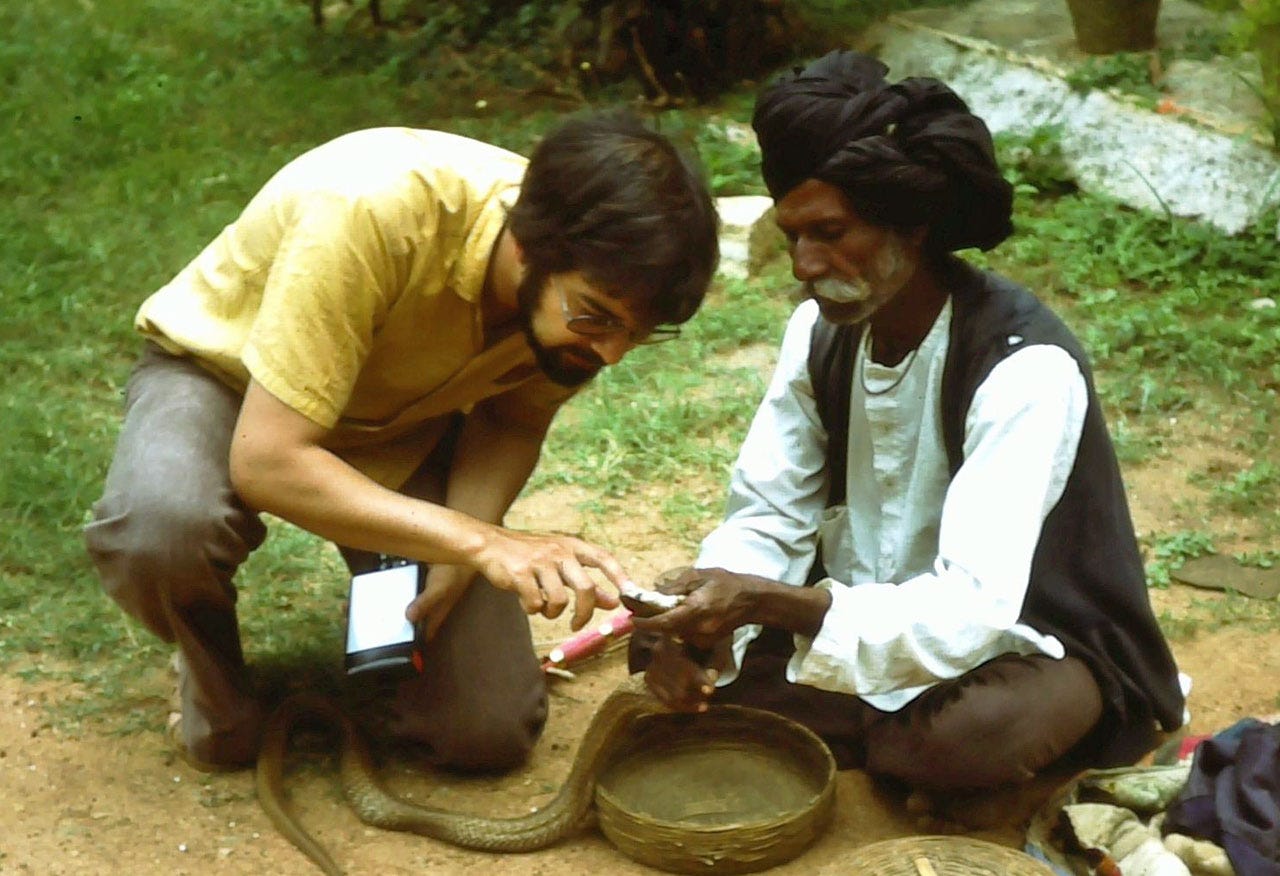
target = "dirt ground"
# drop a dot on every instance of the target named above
(113, 804)
(125, 804)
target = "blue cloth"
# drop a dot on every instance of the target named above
(1232, 797)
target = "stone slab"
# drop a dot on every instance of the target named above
(1145, 159)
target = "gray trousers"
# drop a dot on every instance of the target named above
(169, 533)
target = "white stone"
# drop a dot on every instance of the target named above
(738, 216)
(1144, 159)
(741, 212)
(734, 258)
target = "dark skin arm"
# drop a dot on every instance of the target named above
(716, 603)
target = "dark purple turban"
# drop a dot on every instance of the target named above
(906, 154)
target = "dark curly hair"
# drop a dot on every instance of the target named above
(605, 195)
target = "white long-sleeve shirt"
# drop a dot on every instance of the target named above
(928, 573)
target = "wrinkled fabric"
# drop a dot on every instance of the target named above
(908, 154)
(1232, 797)
(1118, 834)
(1146, 789)
(1112, 821)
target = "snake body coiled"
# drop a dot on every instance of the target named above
(569, 811)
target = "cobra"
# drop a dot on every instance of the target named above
(570, 811)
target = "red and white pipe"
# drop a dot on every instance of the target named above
(589, 642)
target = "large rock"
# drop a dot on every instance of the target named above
(1113, 145)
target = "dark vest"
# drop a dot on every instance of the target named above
(1087, 585)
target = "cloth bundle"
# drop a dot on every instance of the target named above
(1232, 796)
(1216, 814)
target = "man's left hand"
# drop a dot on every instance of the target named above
(444, 586)
(677, 681)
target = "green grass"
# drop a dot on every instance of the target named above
(1124, 71)
(138, 128)
(1222, 610)
(657, 416)
(1170, 550)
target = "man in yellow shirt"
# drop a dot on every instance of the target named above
(373, 351)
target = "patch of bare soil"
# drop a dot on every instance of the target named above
(125, 804)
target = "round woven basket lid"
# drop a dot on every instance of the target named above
(943, 856)
(732, 790)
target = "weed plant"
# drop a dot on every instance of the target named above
(1171, 550)
(1129, 72)
(139, 128)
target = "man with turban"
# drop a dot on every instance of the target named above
(931, 460)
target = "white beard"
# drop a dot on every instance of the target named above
(882, 279)
(840, 291)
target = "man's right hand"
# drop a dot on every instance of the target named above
(545, 570)
(279, 464)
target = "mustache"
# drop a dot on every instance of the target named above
(838, 291)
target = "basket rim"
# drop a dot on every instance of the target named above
(953, 849)
(811, 807)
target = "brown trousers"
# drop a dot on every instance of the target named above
(1000, 724)
(169, 533)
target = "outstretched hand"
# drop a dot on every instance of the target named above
(545, 571)
(716, 602)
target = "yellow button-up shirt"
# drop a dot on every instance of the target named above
(350, 289)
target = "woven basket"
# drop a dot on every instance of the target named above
(943, 856)
(733, 790)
